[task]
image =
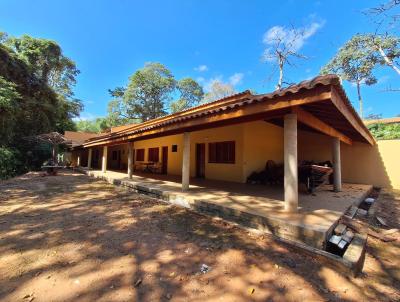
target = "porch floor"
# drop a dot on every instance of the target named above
(263, 205)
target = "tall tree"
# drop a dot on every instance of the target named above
(355, 63)
(148, 92)
(218, 90)
(191, 93)
(31, 101)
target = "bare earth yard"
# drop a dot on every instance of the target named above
(72, 238)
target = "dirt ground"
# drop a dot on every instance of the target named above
(72, 238)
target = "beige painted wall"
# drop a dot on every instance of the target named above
(229, 172)
(378, 165)
(257, 142)
(174, 158)
(262, 142)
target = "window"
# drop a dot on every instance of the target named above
(221, 152)
(140, 154)
(153, 154)
(174, 148)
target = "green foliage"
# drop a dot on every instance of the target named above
(354, 62)
(149, 93)
(97, 125)
(218, 91)
(191, 95)
(385, 131)
(8, 163)
(36, 83)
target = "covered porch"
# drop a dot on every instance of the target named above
(255, 206)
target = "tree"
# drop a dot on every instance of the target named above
(283, 45)
(218, 90)
(35, 97)
(46, 61)
(385, 15)
(148, 92)
(386, 48)
(354, 62)
(191, 93)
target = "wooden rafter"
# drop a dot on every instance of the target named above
(310, 120)
(350, 116)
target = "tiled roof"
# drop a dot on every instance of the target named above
(230, 103)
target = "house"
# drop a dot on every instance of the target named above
(219, 144)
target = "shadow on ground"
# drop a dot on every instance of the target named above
(72, 238)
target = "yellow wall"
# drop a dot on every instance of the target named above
(257, 142)
(228, 172)
(174, 158)
(378, 165)
(361, 163)
(262, 142)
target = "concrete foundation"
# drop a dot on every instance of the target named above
(256, 207)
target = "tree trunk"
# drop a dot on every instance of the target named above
(360, 99)
(388, 61)
(279, 86)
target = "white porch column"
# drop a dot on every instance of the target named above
(104, 160)
(89, 161)
(290, 158)
(130, 159)
(78, 160)
(337, 171)
(186, 161)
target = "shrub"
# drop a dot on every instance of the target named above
(10, 164)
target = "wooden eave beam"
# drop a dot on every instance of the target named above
(312, 121)
(258, 110)
(344, 109)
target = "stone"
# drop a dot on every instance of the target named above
(362, 212)
(335, 239)
(355, 253)
(369, 200)
(340, 229)
(348, 236)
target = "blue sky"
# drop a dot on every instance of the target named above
(205, 40)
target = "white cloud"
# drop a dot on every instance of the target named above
(236, 78)
(85, 116)
(201, 68)
(200, 80)
(210, 82)
(295, 38)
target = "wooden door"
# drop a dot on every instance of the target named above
(164, 160)
(200, 160)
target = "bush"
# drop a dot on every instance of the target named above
(10, 164)
(385, 131)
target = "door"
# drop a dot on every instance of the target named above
(164, 160)
(200, 160)
(119, 160)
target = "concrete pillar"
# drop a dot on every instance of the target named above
(104, 160)
(337, 170)
(89, 160)
(186, 161)
(78, 160)
(130, 159)
(290, 158)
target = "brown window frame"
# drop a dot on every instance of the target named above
(154, 154)
(139, 154)
(222, 152)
